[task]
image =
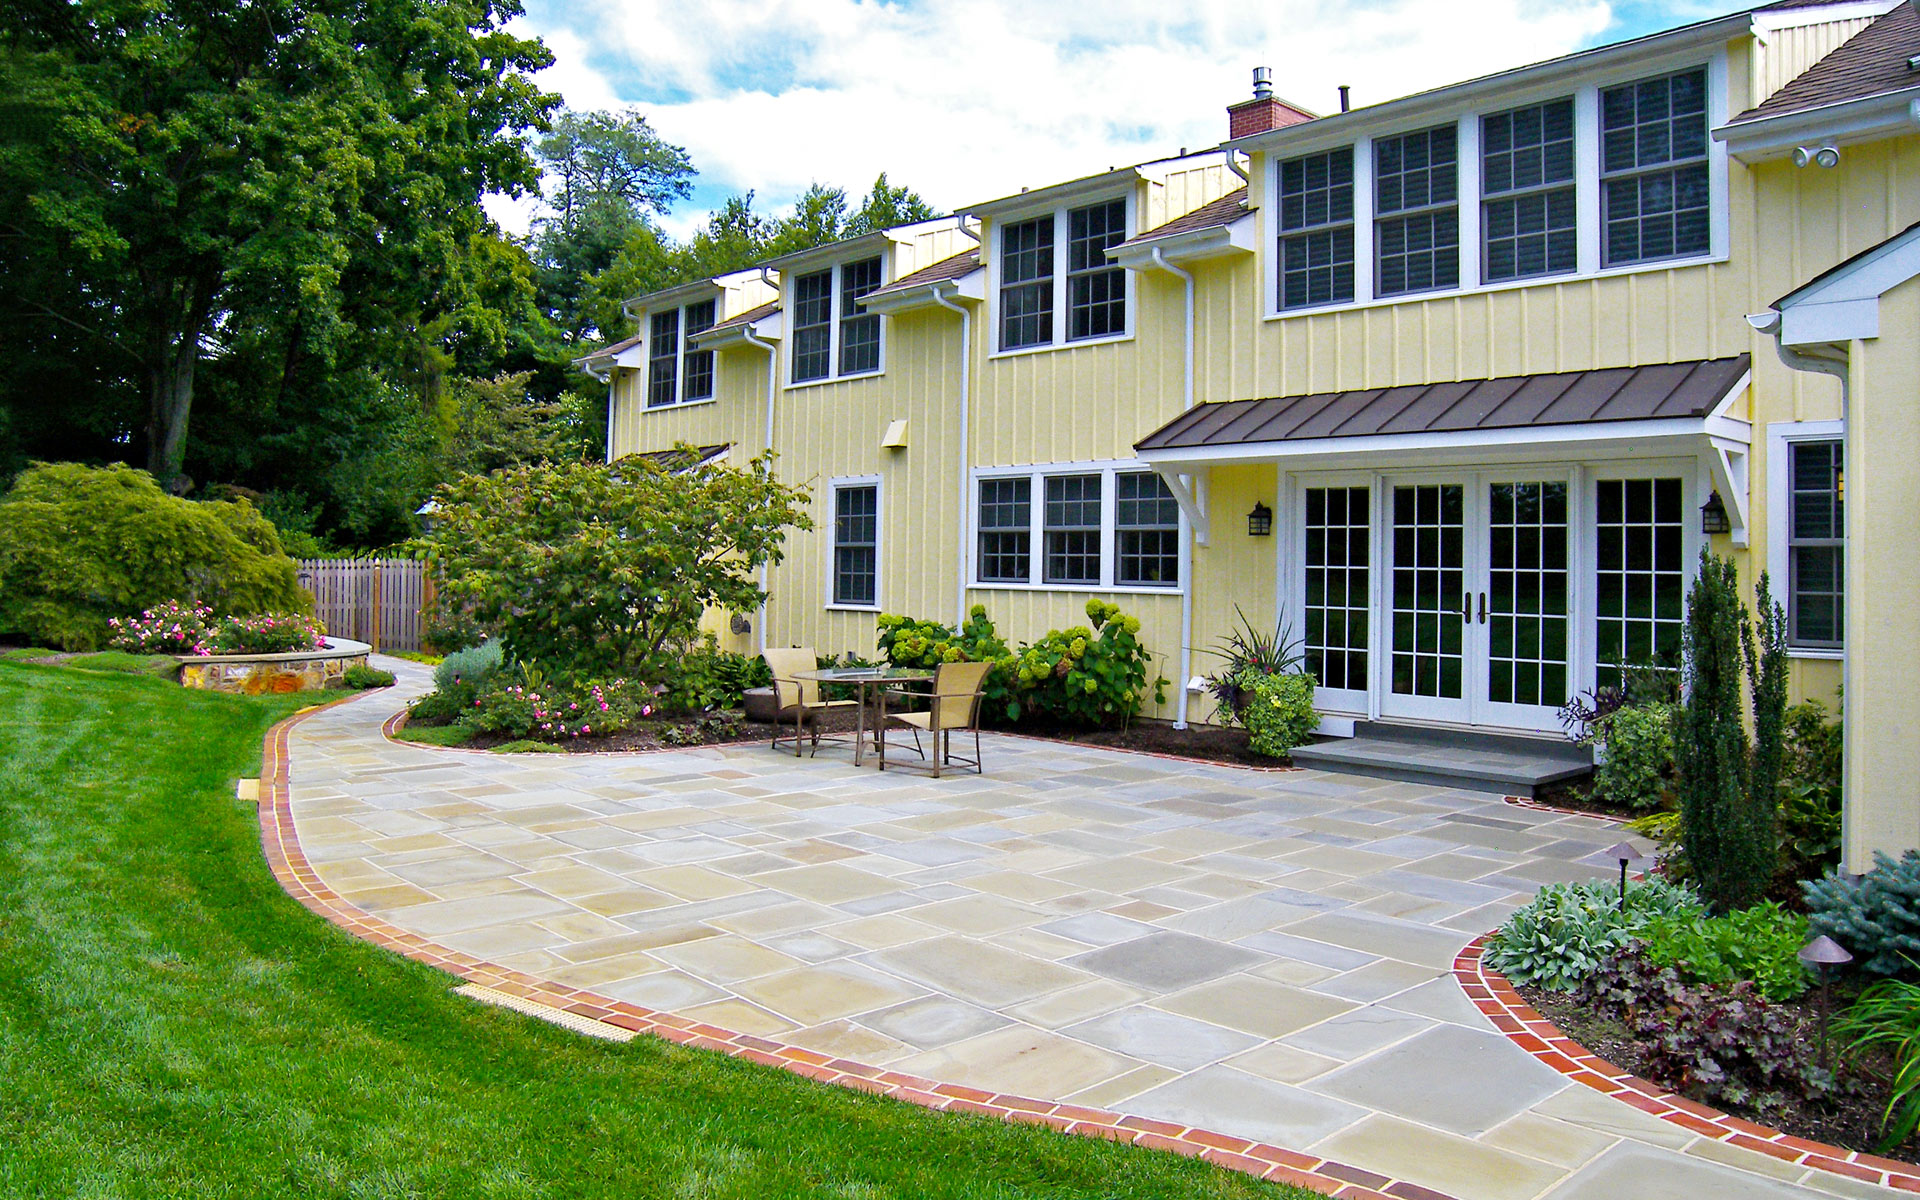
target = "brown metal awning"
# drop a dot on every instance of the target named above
(1608, 397)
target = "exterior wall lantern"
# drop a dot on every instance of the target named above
(1260, 521)
(1713, 516)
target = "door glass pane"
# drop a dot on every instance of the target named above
(1527, 593)
(1640, 576)
(1428, 578)
(1335, 634)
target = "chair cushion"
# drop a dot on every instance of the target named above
(918, 720)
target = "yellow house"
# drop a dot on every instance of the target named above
(1457, 386)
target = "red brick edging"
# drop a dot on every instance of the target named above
(281, 844)
(1535, 805)
(1526, 1028)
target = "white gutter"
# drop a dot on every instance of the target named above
(773, 379)
(1186, 540)
(966, 485)
(1233, 164)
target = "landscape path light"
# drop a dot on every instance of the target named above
(1819, 956)
(1626, 854)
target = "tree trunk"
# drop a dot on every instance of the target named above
(170, 367)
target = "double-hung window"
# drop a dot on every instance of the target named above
(699, 373)
(856, 544)
(1529, 219)
(1092, 290)
(829, 300)
(1146, 523)
(1815, 544)
(663, 358)
(1653, 169)
(1073, 529)
(1316, 229)
(1088, 526)
(1006, 530)
(1416, 229)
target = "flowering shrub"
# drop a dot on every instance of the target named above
(559, 714)
(1083, 677)
(178, 628)
(907, 642)
(169, 628)
(268, 633)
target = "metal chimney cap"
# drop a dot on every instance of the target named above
(1263, 83)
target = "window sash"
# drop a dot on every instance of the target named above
(859, 329)
(1530, 221)
(1096, 286)
(1026, 284)
(1416, 229)
(1316, 240)
(1655, 188)
(1816, 544)
(698, 371)
(663, 357)
(1005, 524)
(813, 326)
(1146, 531)
(856, 544)
(1071, 529)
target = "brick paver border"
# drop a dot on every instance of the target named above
(1496, 998)
(280, 842)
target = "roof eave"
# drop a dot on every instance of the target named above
(832, 251)
(971, 286)
(1193, 245)
(723, 337)
(1048, 197)
(1868, 118)
(677, 294)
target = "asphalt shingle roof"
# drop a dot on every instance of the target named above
(1869, 63)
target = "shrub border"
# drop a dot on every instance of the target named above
(1495, 997)
(280, 843)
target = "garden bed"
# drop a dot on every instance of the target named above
(1212, 743)
(643, 735)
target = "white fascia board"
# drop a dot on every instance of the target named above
(1767, 21)
(1844, 306)
(767, 329)
(1047, 199)
(677, 295)
(1889, 114)
(1594, 439)
(864, 246)
(1839, 321)
(971, 286)
(1218, 241)
(633, 356)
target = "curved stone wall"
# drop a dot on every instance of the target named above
(258, 674)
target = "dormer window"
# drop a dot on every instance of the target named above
(677, 374)
(828, 300)
(1092, 290)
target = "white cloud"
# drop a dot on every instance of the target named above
(966, 100)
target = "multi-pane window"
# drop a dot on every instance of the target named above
(1527, 593)
(1006, 530)
(1653, 168)
(859, 329)
(1026, 284)
(1072, 529)
(699, 374)
(856, 543)
(663, 357)
(1815, 544)
(1316, 229)
(1640, 573)
(1334, 639)
(813, 326)
(1528, 215)
(1096, 286)
(1416, 218)
(1146, 525)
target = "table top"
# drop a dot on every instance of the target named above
(863, 674)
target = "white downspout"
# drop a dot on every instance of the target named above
(1186, 540)
(773, 378)
(966, 489)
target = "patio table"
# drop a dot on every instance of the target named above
(869, 691)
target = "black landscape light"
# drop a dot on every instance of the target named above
(1821, 956)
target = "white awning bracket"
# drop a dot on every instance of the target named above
(1190, 492)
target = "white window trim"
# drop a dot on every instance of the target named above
(879, 540)
(1061, 232)
(680, 352)
(833, 374)
(1780, 438)
(1586, 100)
(1107, 469)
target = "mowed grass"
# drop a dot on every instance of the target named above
(171, 1024)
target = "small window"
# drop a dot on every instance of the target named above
(699, 362)
(1417, 221)
(859, 329)
(1096, 286)
(1653, 168)
(1316, 229)
(1146, 526)
(663, 358)
(856, 544)
(1073, 529)
(1816, 545)
(1529, 217)
(1006, 530)
(813, 326)
(1026, 284)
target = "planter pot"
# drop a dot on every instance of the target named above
(759, 704)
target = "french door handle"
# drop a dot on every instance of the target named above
(1466, 608)
(1483, 608)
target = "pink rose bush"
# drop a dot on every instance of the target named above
(193, 629)
(555, 713)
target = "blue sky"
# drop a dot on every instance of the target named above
(965, 100)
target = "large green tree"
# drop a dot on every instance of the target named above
(306, 172)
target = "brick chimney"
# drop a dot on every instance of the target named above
(1265, 111)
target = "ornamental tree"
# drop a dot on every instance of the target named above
(593, 570)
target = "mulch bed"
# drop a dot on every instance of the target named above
(1215, 743)
(1852, 1122)
(645, 735)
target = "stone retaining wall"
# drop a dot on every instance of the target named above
(255, 675)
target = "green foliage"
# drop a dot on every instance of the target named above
(1728, 789)
(707, 730)
(360, 677)
(80, 546)
(475, 668)
(703, 677)
(592, 570)
(1279, 714)
(1250, 653)
(493, 423)
(1568, 929)
(1082, 677)
(907, 642)
(1886, 1020)
(1759, 944)
(1810, 795)
(887, 207)
(560, 714)
(1638, 769)
(1876, 916)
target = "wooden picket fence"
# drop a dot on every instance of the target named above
(374, 600)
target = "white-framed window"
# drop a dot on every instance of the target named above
(1098, 526)
(834, 336)
(1046, 300)
(853, 566)
(1806, 532)
(1615, 177)
(677, 373)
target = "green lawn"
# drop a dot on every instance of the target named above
(171, 1024)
